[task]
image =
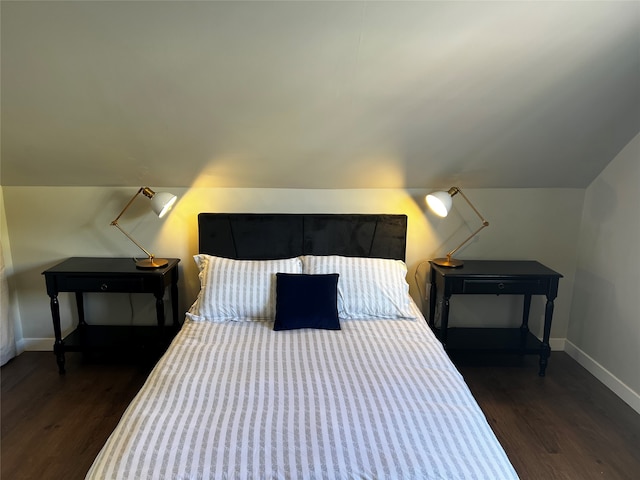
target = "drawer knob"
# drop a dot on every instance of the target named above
(501, 286)
(104, 287)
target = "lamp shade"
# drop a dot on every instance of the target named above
(440, 203)
(162, 202)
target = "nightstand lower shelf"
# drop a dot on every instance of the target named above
(491, 340)
(120, 336)
(124, 341)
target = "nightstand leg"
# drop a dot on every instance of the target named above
(58, 346)
(444, 321)
(160, 310)
(545, 350)
(162, 335)
(80, 305)
(524, 327)
(174, 300)
(432, 304)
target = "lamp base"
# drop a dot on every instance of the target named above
(151, 263)
(448, 262)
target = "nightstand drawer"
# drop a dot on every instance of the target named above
(93, 284)
(506, 287)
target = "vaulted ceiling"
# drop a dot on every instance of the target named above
(317, 94)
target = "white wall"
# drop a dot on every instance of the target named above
(48, 224)
(604, 329)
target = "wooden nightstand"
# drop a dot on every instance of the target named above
(494, 277)
(104, 275)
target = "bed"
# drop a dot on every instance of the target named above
(303, 357)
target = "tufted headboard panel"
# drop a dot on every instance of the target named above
(257, 236)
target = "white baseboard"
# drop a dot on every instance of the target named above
(605, 376)
(36, 345)
(20, 346)
(557, 344)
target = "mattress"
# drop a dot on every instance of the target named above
(238, 400)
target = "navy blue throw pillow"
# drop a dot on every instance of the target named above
(306, 301)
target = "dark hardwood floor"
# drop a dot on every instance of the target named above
(567, 425)
(564, 426)
(53, 426)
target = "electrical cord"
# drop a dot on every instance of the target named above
(423, 292)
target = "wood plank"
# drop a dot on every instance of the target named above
(567, 425)
(53, 426)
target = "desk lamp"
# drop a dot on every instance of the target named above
(161, 203)
(440, 203)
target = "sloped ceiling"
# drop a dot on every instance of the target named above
(317, 94)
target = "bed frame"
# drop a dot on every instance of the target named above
(304, 369)
(257, 236)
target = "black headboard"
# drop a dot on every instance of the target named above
(257, 236)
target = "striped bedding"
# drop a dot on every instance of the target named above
(237, 400)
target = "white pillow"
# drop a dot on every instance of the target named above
(368, 287)
(238, 289)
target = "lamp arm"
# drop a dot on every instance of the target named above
(126, 207)
(453, 191)
(115, 222)
(450, 254)
(471, 205)
(150, 255)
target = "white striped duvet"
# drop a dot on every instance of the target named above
(377, 399)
